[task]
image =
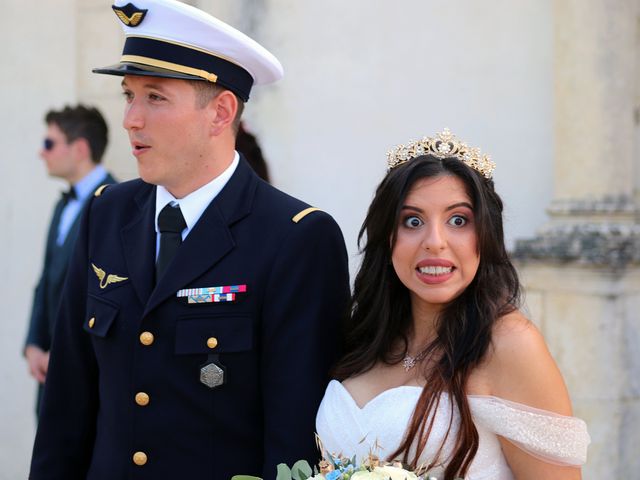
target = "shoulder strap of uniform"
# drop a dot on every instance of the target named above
(300, 215)
(100, 189)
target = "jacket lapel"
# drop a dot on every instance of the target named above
(139, 244)
(211, 238)
(72, 234)
(53, 229)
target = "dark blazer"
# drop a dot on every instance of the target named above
(48, 291)
(276, 341)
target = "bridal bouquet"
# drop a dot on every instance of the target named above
(340, 468)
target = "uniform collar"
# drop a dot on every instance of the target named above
(196, 202)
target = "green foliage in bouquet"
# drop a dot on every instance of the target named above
(340, 468)
(344, 468)
(300, 471)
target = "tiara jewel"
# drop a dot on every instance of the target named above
(444, 145)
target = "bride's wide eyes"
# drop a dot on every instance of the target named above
(457, 221)
(412, 221)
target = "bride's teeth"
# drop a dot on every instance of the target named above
(435, 270)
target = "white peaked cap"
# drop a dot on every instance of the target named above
(168, 38)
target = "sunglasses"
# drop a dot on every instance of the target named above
(48, 144)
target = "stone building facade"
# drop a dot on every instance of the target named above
(582, 271)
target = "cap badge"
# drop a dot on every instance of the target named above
(130, 15)
(107, 279)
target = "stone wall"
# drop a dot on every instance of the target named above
(38, 65)
(581, 271)
(588, 315)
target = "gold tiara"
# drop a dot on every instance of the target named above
(444, 145)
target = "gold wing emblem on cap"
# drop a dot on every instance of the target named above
(130, 15)
(107, 279)
(134, 21)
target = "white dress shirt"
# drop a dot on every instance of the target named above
(84, 189)
(193, 205)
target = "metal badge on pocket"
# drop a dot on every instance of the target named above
(212, 372)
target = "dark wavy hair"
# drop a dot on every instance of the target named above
(247, 144)
(381, 309)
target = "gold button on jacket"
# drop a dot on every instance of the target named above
(146, 338)
(92, 322)
(142, 399)
(140, 458)
(212, 342)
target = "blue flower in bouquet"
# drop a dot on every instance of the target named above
(335, 475)
(340, 473)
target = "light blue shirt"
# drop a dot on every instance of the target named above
(84, 189)
(193, 205)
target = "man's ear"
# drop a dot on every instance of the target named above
(81, 148)
(224, 108)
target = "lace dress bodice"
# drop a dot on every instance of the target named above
(380, 426)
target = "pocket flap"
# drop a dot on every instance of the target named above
(213, 334)
(99, 317)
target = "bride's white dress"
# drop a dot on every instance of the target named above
(346, 428)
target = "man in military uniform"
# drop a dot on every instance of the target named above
(72, 150)
(202, 308)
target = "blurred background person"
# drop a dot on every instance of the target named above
(75, 141)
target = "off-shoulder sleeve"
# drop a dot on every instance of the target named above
(551, 437)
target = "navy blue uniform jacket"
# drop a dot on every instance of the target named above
(276, 341)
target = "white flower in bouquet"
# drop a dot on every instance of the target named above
(386, 472)
(395, 473)
(367, 475)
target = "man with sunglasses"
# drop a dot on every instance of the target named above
(75, 141)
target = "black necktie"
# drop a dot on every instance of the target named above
(69, 195)
(170, 223)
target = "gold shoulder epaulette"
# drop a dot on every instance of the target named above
(299, 216)
(100, 189)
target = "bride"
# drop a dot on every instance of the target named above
(442, 371)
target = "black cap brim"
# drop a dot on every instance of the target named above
(122, 69)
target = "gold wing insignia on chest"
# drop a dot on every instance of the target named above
(107, 279)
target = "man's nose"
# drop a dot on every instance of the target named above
(133, 116)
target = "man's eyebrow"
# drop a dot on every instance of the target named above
(157, 86)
